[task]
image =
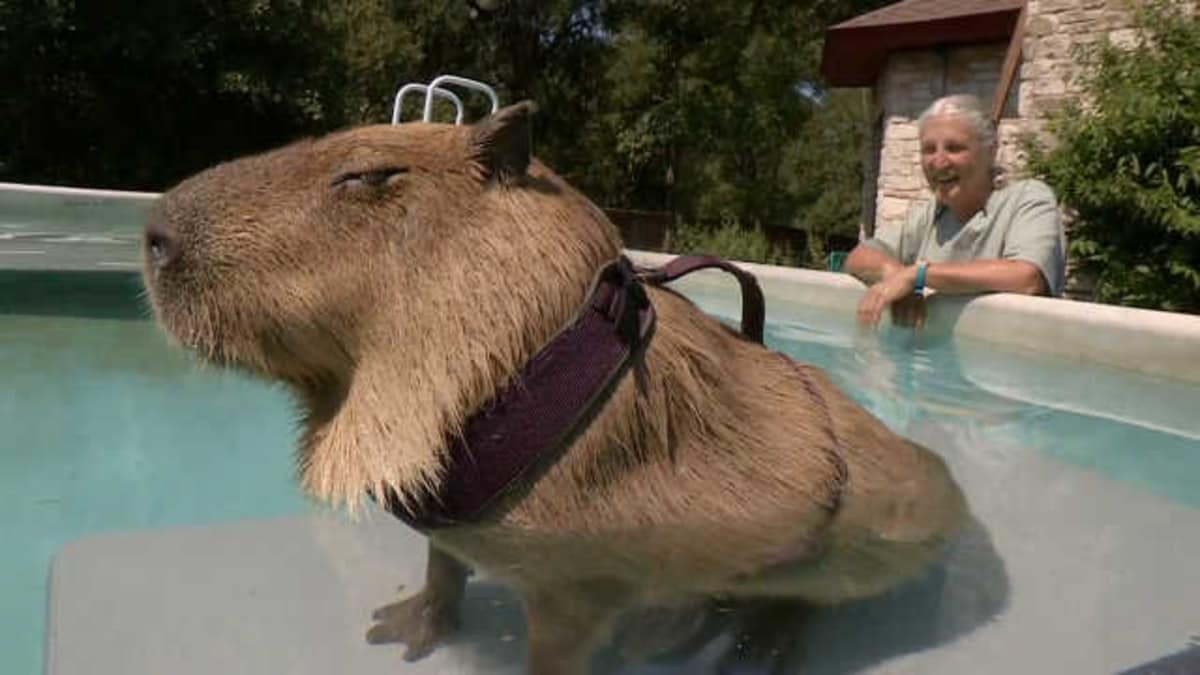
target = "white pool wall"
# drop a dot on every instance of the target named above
(1149, 342)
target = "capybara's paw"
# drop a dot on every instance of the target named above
(765, 639)
(747, 658)
(421, 622)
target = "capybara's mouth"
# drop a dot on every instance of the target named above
(183, 295)
(190, 314)
(206, 321)
(191, 324)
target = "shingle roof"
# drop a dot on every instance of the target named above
(855, 50)
(911, 11)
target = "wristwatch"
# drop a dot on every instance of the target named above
(919, 287)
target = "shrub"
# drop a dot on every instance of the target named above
(1127, 159)
(731, 241)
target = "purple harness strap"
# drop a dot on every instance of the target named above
(556, 395)
(553, 398)
(753, 307)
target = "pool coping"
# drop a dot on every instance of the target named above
(1148, 342)
(79, 193)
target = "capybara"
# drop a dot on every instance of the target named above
(397, 277)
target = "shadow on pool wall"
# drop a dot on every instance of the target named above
(81, 294)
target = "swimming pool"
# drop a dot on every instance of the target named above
(1082, 478)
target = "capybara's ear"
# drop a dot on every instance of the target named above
(501, 143)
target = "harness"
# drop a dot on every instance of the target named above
(555, 396)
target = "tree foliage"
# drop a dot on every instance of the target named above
(1127, 159)
(732, 241)
(712, 110)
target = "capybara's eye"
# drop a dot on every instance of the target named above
(372, 178)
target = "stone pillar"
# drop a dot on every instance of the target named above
(1049, 70)
(1050, 75)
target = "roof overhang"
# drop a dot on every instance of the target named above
(854, 53)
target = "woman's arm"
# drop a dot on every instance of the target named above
(1010, 276)
(870, 264)
(1006, 276)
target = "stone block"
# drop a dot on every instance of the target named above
(1041, 25)
(911, 182)
(892, 210)
(1079, 16)
(1052, 47)
(1116, 20)
(1125, 37)
(901, 132)
(1053, 6)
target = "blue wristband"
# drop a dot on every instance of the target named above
(919, 287)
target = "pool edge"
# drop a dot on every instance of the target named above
(1148, 342)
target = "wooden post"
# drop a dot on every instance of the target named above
(1009, 71)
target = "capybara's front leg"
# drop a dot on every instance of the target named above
(426, 619)
(566, 622)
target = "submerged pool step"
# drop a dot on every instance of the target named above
(291, 595)
(1183, 662)
(295, 595)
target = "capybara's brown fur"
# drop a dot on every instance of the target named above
(396, 276)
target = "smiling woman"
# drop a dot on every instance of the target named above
(974, 236)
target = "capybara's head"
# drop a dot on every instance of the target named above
(442, 254)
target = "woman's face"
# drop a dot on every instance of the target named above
(957, 166)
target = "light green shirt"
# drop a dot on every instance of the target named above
(1019, 222)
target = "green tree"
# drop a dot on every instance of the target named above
(716, 111)
(133, 95)
(824, 169)
(1127, 159)
(138, 95)
(712, 110)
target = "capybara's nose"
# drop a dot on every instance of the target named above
(161, 243)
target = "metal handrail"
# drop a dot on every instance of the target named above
(435, 89)
(413, 86)
(461, 81)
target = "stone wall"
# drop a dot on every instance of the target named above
(911, 80)
(1052, 30)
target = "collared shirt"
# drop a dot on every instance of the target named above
(1019, 222)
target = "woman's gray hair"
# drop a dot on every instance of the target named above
(968, 108)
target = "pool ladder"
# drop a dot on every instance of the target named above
(436, 89)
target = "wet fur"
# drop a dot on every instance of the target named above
(393, 311)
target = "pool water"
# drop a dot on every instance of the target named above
(1084, 482)
(104, 428)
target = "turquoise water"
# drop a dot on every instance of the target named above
(104, 428)
(1084, 480)
(1084, 416)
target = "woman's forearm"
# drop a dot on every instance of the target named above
(869, 264)
(1009, 276)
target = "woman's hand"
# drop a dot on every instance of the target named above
(896, 286)
(909, 312)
